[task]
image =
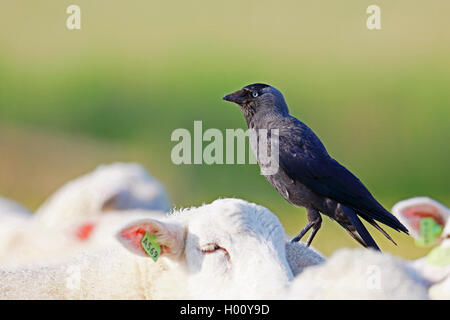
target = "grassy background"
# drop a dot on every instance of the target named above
(137, 70)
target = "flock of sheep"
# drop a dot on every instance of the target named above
(84, 242)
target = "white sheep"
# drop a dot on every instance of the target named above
(227, 249)
(117, 186)
(359, 274)
(62, 225)
(107, 274)
(435, 267)
(12, 218)
(35, 244)
(87, 234)
(440, 290)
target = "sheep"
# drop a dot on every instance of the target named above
(116, 186)
(106, 274)
(34, 244)
(97, 232)
(441, 290)
(229, 241)
(359, 274)
(85, 234)
(63, 223)
(435, 267)
(12, 218)
(228, 249)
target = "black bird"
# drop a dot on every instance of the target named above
(308, 176)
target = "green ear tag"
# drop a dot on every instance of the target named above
(439, 257)
(151, 246)
(428, 232)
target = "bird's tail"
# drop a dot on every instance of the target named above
(376, 226)
(363, 236)
(377, 212)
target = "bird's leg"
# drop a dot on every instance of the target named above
(314, 221)
(316, 226)
(302, 233)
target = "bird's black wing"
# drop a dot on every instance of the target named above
(304, 158)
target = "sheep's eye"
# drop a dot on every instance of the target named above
(210, 248)
(214, 247)
(254, 94)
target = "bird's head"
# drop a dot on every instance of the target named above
(258, 98)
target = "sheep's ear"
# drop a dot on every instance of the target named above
(169, 237)
(410, 212)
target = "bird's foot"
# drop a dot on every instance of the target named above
(315, 222)
(315, 228)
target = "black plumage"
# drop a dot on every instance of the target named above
(307, 175)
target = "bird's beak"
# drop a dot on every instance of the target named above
(236, 97)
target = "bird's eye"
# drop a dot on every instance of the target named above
(254, 94)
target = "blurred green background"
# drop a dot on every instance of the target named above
(137, 70)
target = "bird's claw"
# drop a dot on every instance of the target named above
(296, 239)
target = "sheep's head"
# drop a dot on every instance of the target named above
(229, 243)
(128, 186)
(114, 187)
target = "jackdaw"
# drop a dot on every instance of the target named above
(307, 175)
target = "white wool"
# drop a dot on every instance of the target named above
(300, 256)
(256, 265)
(107, 274)
(441, 290)
(116, 186)
(445, 235)
(359, 274)
(432, 273)
(12, 218)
